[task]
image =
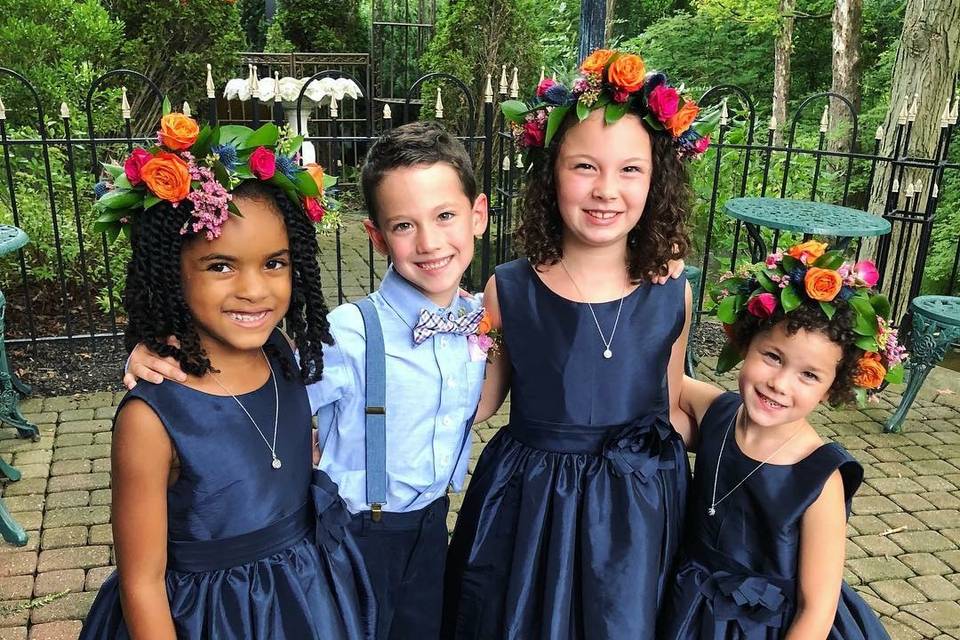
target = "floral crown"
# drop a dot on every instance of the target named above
(617, 82)
(203, 166)
(808, 272)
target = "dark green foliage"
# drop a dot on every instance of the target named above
(324, 25)
(253, 20)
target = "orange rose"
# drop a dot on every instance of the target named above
(167, 176)
(596, 61)
(870, 372)
(626, 72)
(316, 172)
(486, 324)
(178, 132)
(682, 119)
(807, 252)
(822, 284)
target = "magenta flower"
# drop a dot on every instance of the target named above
(866, 272)
(663, 102)
(263, 163)
(134, 165)
(545, 84)
(763, 305)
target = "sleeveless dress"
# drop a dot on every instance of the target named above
(571, 519)
(738, 574)
(252, 552)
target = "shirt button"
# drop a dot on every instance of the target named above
(445, 459)
(443, 341)
(452, 383)
(447, 421)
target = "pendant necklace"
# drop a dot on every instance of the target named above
(714, 501)
(275, 462)
(607, 352)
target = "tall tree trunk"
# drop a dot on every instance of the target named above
(847, 21)
(926, 66)
(781, 66)
(609, 18)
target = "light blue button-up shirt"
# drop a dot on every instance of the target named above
(432, 391)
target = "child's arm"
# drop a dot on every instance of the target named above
(497, 380)
(696, 397)
(822, 550)
(144, 364)
(681, 421)
(142, 455)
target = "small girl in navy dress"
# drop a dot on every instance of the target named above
(571, 519)
(221, 527)
(764, 551)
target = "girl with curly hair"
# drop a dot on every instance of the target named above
(222, 529)
(765, 537)
(570, 523)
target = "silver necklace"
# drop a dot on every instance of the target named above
(714, 502)
(275, 462)
(607, 353)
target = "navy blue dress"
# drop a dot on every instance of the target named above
(570, 522)
(738, 574)
(253, 552)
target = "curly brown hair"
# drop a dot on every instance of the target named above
(810, 317)
(659, 236)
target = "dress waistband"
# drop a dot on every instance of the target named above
(590, 439)
(211, 555)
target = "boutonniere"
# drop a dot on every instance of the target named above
(485, 343)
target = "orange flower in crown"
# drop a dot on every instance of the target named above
(178, 132)
(682, 119)
(627, 72)
(167, 176)
(807, 252)
(870, 371)
(596, 61)
(822, 284)
(316, 172)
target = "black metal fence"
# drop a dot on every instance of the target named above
(66, 284)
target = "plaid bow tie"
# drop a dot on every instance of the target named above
(431, 323)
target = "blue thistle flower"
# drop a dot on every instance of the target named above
(797, 275)
(846, 292)
(653, 81)
(287, 166)
(101, 189)
(227, 154)
(558, 95)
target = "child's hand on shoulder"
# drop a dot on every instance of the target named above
(144, 364)
(674, 270)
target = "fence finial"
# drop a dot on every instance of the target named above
(945, 116)
(334, 108)
(773, 123)
(387, 114)
(935, 192)
(825, 119)
(914, 108)
(895, 187)
(64, 111)
(543, 71)
(254, 82)
(506, 163)
(276, 86)
(503, 80)
(3, 110)
(514, 85)
(909, 190)
(724, 114)
(902, 117)
(878, 134)
(519, 161)
(953, 114)
(211, 90)
(438, 107)
(186, 108)
(488, 90)
(124, 104)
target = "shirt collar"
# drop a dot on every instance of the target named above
(408, 301)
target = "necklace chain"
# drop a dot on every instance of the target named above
(275, 461)
(716, 474)
(607, 353)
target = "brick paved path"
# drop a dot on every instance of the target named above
(903, 550)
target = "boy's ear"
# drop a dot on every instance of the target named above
(480, 215)
(376, 237)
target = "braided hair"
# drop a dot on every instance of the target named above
(156, 305)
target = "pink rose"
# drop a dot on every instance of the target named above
(701, 145)
(533, 134)
(134, 164)
(314, 209)
(866, 272)
(263, 163)
(762, 306)
(663, 101)
(545, 84)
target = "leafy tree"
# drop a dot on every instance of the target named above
(324, 25)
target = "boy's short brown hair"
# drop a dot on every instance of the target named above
(415, 143)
